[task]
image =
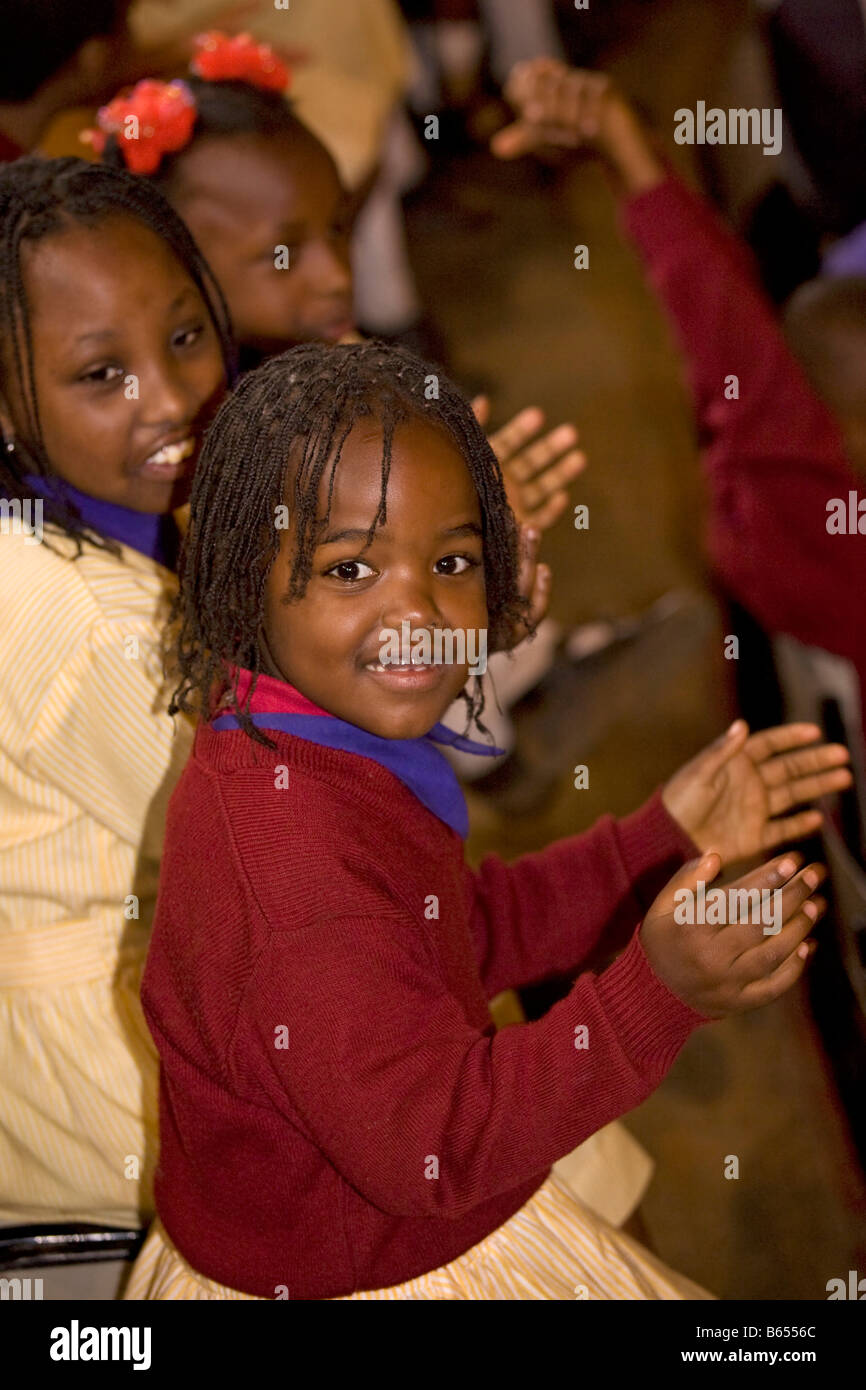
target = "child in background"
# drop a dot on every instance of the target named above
(774, 455)
(338, 1116)
(263, 199)
(116, 353)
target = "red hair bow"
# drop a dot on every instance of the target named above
(154, 119)
(219, 58)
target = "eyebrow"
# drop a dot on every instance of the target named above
(466, 528)
(104, 334)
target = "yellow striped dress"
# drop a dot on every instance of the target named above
(88, 758)
(553, 1248)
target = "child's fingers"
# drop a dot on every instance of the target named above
(696, 871)
(786, 766)
(802, 789)
(516, 434)
(748, 932)
(539, 599)
(732, 741)
(787, 828)
(534, 457)
(763, 959)
(547, 515)
(781, 739)
(597, 87)
(481, 409)
(766, 990)
(523, 79)
(555, 479)
(530, 538)
(543, 104)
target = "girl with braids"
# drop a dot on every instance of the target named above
(338, 1117)
(115, 353)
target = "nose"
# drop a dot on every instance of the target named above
(410, 599)
(168, 397)
(327, 267)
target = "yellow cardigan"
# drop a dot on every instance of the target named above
(88, 759)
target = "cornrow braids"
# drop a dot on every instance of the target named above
(41, 197)
(285, 425)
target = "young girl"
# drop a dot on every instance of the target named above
(115, 354)
(263, 198)
(338, 1116)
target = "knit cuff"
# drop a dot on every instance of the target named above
(650, 1022)
(650, 839)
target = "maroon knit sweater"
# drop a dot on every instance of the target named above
(774, 457)
(337, 1110)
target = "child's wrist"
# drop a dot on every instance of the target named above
(626, 146)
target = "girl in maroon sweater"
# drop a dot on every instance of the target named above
(339, 1117)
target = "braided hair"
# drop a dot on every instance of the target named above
(271, 443)
(39, 198)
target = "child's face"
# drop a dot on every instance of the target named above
(424, 566)
(245, 196)
(126, 362)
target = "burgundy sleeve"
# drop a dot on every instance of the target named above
(773, 457)
(545, 914)
(386, 1075)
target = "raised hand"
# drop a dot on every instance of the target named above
(734, 797)
(729, 966)
(555, 105)
(537, 468)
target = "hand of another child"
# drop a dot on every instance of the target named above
(537, 468)
(733, 797)
(534, 583)
(555, 105)
(729, 966)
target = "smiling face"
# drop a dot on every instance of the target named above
(424, 566)
(127, 364)
(242, 197)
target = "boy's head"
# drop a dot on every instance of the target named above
(825, 324)
(343, 492)
(262, 197)
(42, 39)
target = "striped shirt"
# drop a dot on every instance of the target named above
(88, 759)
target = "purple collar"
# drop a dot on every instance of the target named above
(154, 534)
(416, 762)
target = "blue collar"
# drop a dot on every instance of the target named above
(415, 762)
(154, 534)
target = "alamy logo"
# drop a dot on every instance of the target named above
(76, 1343)
(856, 1288)
(846, 519)
(18, 1289)
(444, 646)
(21, 518)
(736, 126)
(720, 907)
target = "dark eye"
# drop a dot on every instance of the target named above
(187, 336)
(348, 571)
(104, 374)
(455, 564)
